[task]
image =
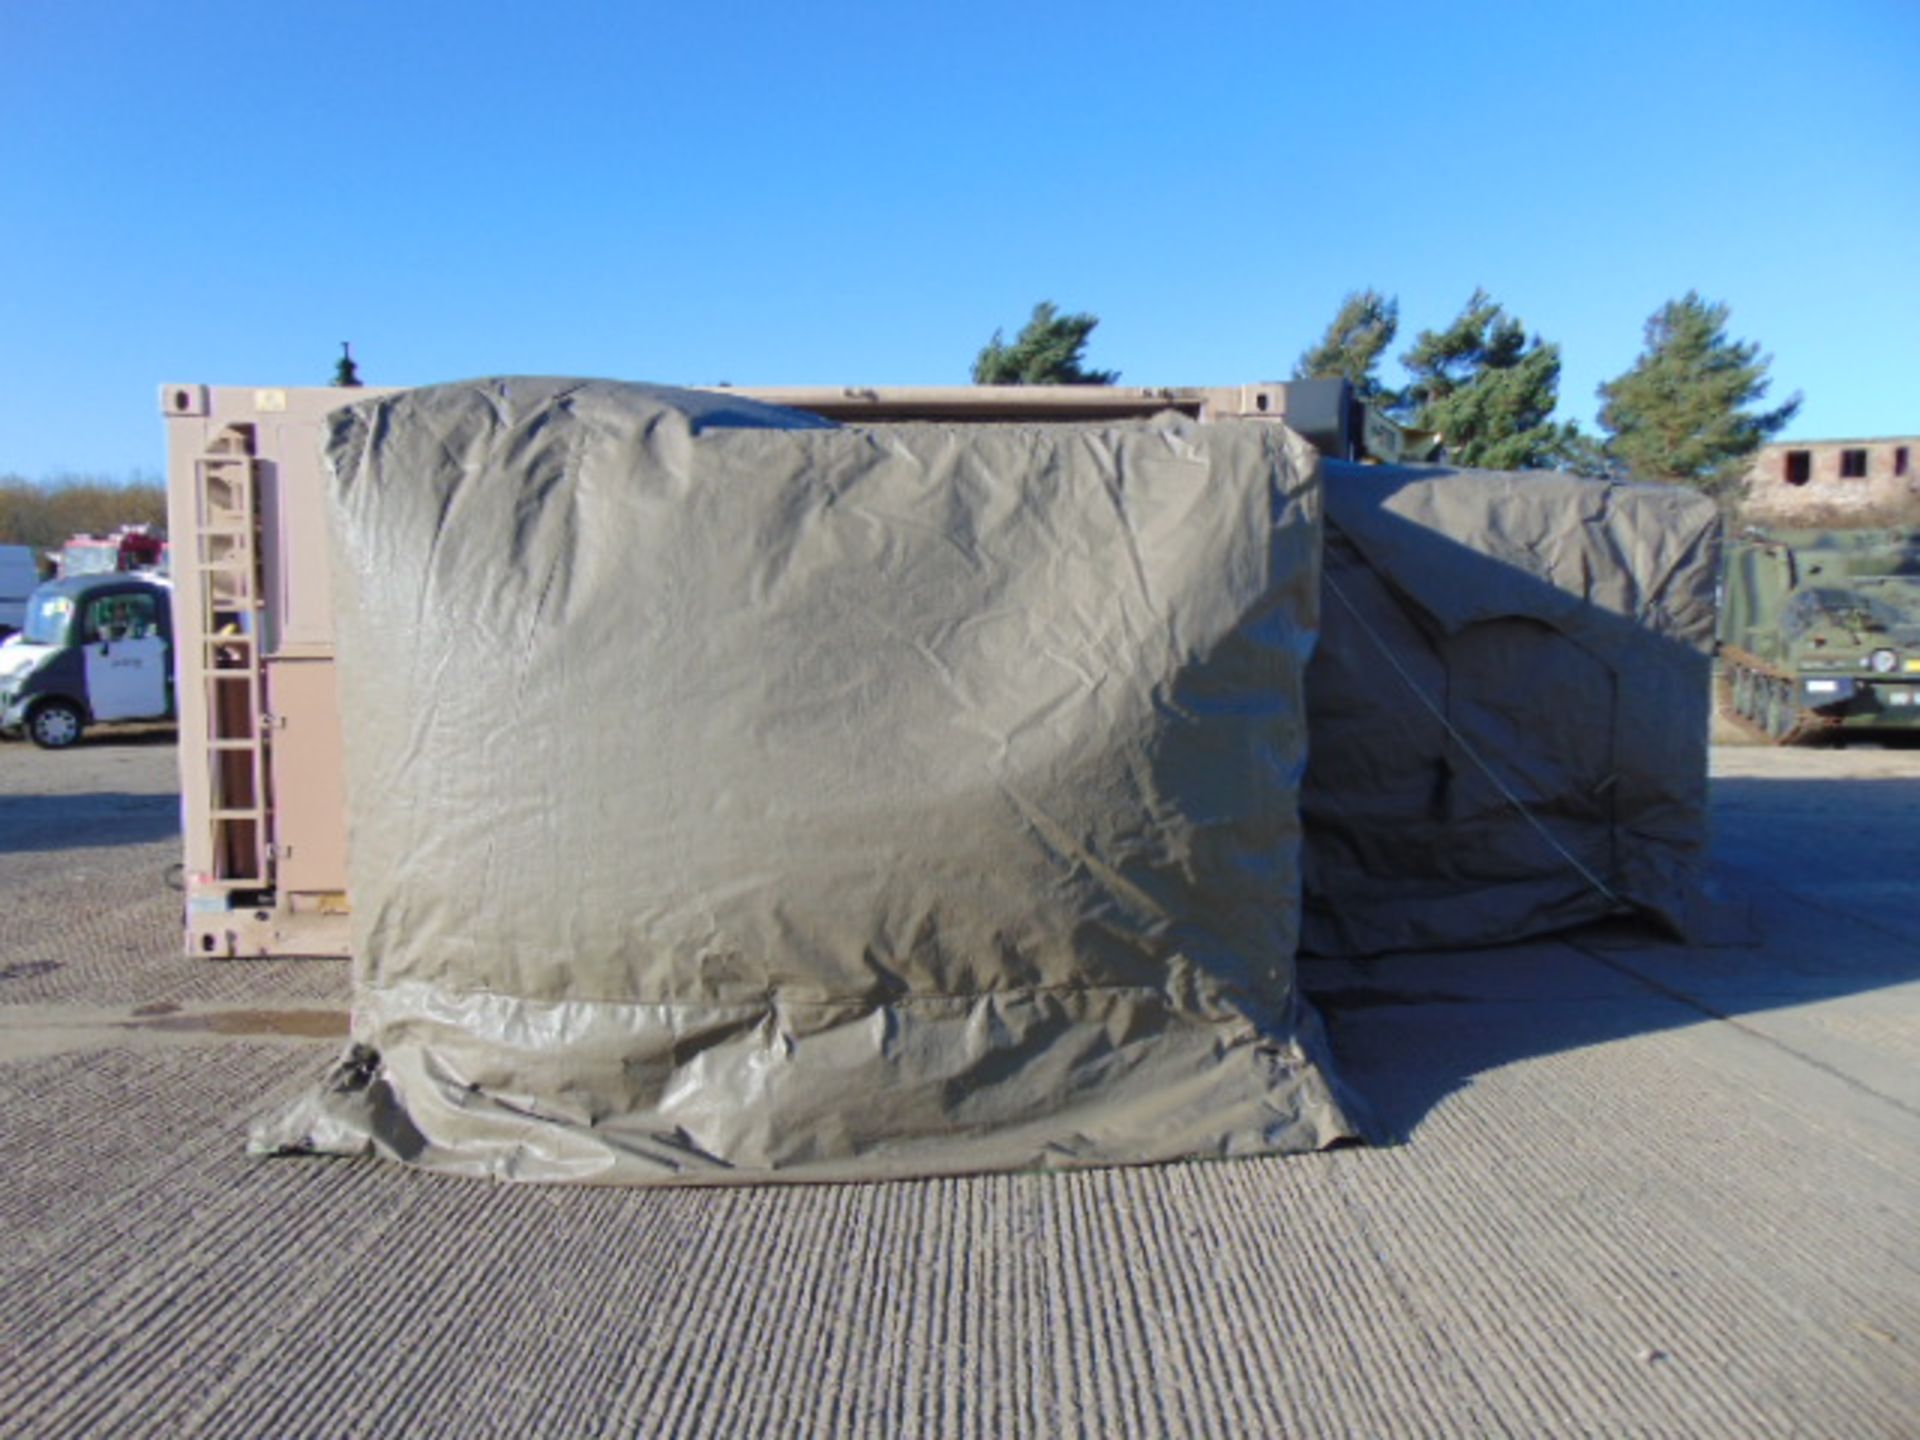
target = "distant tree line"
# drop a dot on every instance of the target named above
(1684, 413)
(1049, 350)
(44, 514)
(1688, 411)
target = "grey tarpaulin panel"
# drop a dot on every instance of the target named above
(1509, 706)
(735, 797)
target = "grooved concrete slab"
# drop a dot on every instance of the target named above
(1630, 1188)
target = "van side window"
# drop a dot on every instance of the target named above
(120, 617)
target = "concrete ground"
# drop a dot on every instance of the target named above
(1632, 1189)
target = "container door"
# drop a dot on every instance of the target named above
(309, 787)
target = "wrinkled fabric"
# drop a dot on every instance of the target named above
(739, 797)
(1509, 707)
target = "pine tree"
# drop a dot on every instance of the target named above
(1048, 351)
(1681, 414)
(1360, 332)
(345, 372)
(1489, 390)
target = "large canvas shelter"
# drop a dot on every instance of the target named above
(738, 796)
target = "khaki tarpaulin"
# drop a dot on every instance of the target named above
(1508, 707)
(735, 797)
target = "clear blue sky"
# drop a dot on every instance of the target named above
(827, 193)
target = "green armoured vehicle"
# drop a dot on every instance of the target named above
(1820, 632)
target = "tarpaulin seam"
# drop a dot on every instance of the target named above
(901, 997)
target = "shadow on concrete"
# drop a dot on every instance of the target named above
(90, 820)
(109, 737)
(101, 737)
(1866, 740)
(1826, 871)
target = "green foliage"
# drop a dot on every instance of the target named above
(1489, 390)
(46, 515)
(1584, 454)
(1681, 414)
(1048, 351)
(1360, 332)
(345, 372)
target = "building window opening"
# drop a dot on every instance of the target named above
(1899, 460)
(1853, 464)
(1799, 467)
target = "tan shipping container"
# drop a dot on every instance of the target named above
(260, 755)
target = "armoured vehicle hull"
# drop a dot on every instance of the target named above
(1820, 632)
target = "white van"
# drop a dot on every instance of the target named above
(95, 648)
(19, 573)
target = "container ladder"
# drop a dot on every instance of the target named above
(227, 562)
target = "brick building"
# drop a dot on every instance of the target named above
(1834, 482)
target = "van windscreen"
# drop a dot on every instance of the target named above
(47, 617)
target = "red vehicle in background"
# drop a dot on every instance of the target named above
(131, 547)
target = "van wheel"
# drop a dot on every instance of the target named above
(55, 724)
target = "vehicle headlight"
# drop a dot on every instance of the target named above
(1883, 661)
